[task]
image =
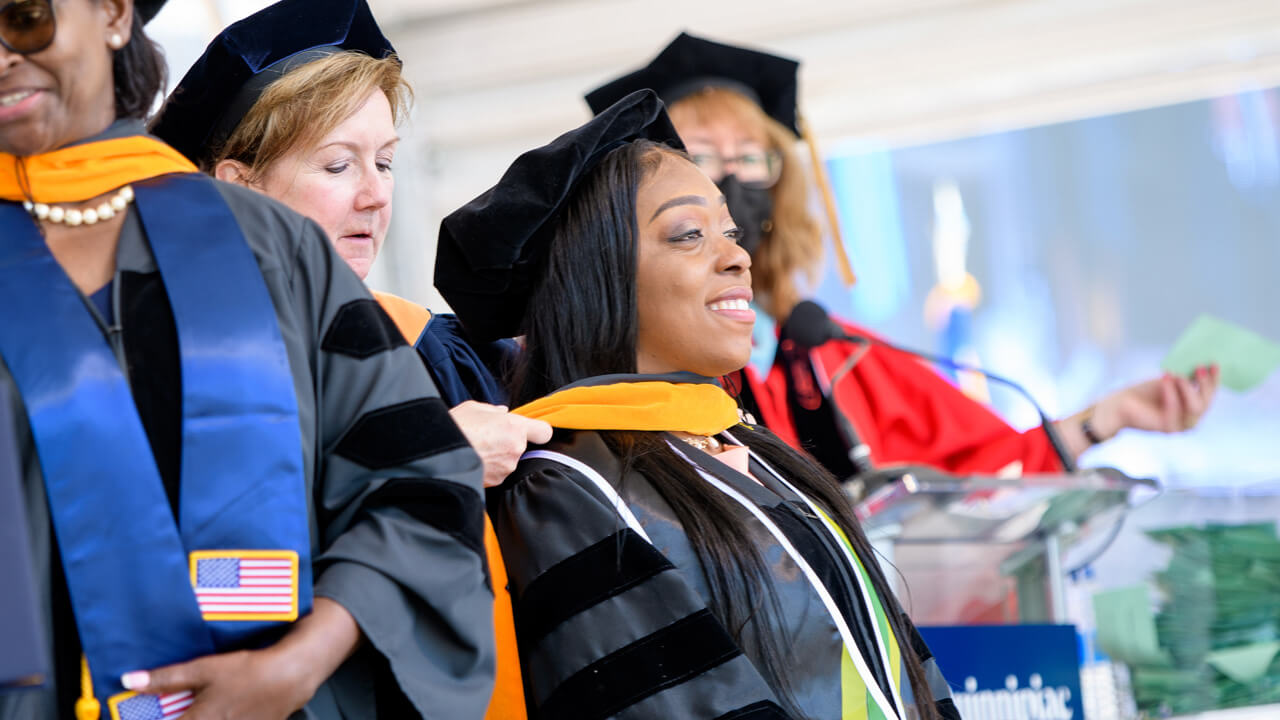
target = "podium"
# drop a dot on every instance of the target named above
(989, 542)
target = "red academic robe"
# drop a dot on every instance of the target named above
(906, 413)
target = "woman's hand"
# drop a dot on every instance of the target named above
(498, 437)
(266, 684)
(1169, 403)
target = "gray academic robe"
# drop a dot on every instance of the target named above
(396, 513)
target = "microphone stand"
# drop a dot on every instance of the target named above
(859, 451)
(1050, 431)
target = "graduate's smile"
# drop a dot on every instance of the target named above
(734, 304)
(9, 99)
(18, 102)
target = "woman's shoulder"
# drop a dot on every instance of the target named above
(576, 453)
(853, 328)
(900, 365)
(576, 463)
(268, 225)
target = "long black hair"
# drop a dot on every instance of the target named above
(581, 322)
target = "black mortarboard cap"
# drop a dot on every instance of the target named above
(690, 64)
(492, 249)
(225, 82)
(148, 8)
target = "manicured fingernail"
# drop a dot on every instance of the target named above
(136, 680)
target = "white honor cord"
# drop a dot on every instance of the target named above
(851, 647)
(598, 480)
(883, 647)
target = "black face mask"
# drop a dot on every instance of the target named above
(751, 208)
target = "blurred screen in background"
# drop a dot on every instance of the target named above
(1070, 257)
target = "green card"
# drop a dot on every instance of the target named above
(1127, 627)
(1245, 358)
(1244, 664)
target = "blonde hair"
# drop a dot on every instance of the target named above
(793, 246)
(307, 103)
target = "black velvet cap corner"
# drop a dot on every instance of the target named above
(691, 63)
(148, 8)
(223, 84)
(492, 249)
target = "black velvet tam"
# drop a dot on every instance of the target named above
(690, 64)
(148, 8)
(492, 249)
(224, 83)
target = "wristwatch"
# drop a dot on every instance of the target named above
(1086, 427)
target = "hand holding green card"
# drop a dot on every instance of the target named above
(1245, 358)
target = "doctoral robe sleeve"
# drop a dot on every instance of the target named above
(464, 370)
(909, 414)
(398, 498)
(607, 627)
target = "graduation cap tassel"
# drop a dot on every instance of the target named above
(829, 202)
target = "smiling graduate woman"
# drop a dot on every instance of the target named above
(666, 559)
(229, 471)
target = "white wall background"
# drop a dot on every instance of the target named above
(496, 77)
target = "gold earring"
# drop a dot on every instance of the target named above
(115, 41)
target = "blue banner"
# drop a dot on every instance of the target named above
(1010, 672)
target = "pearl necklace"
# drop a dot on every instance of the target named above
(88, 216)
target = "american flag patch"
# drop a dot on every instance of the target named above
(246, 584)
(134, 706)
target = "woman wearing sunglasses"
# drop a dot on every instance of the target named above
(736, 111)
(232, 460)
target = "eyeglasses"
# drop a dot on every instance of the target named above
(27, 26)
(761, 169)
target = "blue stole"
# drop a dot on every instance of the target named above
(130, 567)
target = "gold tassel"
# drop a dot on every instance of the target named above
(87, 706)
(829, 201)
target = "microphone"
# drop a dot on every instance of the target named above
(808, 327)
(811, 326)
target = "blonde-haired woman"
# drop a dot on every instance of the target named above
(310, 119)
(736, 112)
(321, 139)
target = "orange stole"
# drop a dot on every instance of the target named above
(507, 702)
(81, 172)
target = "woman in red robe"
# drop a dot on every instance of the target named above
(735, 110)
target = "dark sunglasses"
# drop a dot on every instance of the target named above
(27, 26)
